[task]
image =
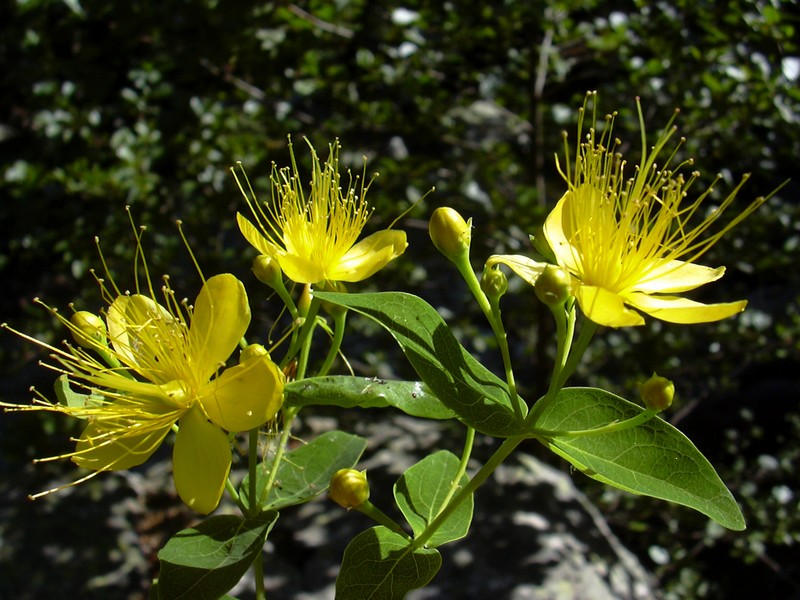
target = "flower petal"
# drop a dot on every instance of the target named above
(220, 319)
(369, 256)
(253, 235)
(674, 309)
(201, 461)
(136, 328)
(606, 308)
(523, 266)
(102, 448)
(245, 396)
(676, 276)
(559, 229)
(300, 269)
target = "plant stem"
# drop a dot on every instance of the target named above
(258, 574)
(252, 468)
(377, 515)
(339, 320)
(588, 330)
(462, 467)
(288, 418)
(505, 449)
(231, 489)
(492, 313)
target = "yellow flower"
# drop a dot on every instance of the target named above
(627, 240)
(165, 370)
(314, 239)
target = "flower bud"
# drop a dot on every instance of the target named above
(304, 301)
(449, 232)
(349, 488)
(267, 270)
(657, 392)
(88, 329)
(494, 283)
(332, 309)
(552, 286)
(253, 351)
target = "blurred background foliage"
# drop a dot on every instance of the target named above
(149, 104)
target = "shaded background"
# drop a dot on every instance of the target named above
(148, 104)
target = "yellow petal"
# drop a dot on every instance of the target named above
(245, 396)
(523, 266)
(253, 235)
(300, 269)
(136, 326)
(676, 276)
(201, 461)
(606, 308)
(559, 230)
(369, 256)
(681, 310)
(102, 448)
(220, 319)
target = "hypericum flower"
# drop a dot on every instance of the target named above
(314, 239)
(162, 366)
(629, 239)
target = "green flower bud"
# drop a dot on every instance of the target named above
(330, 308)
(253, 351)
(349, 488)
(304, 301)
(494, 283)
(449, 232)
(88, 329)
(658, 392)
(552, 286)
(267, 270)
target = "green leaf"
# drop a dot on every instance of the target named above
(422, 491)
(412, 397)
(204, 562)
(475, 394)
(379, 563)
(67, 397)
(652, 459)
(306, 471)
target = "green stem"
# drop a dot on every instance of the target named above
(568, 355)
(286, 298)
(377, 515)
(300, 337)
(492, 313)
(306, 334)
(252, 467)
(502, 340)
(588, 329)
(258, 568)
(231, 489)
(565, 329)
(462, 466)
(289, 415)
(336, 343)
(505, 449)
